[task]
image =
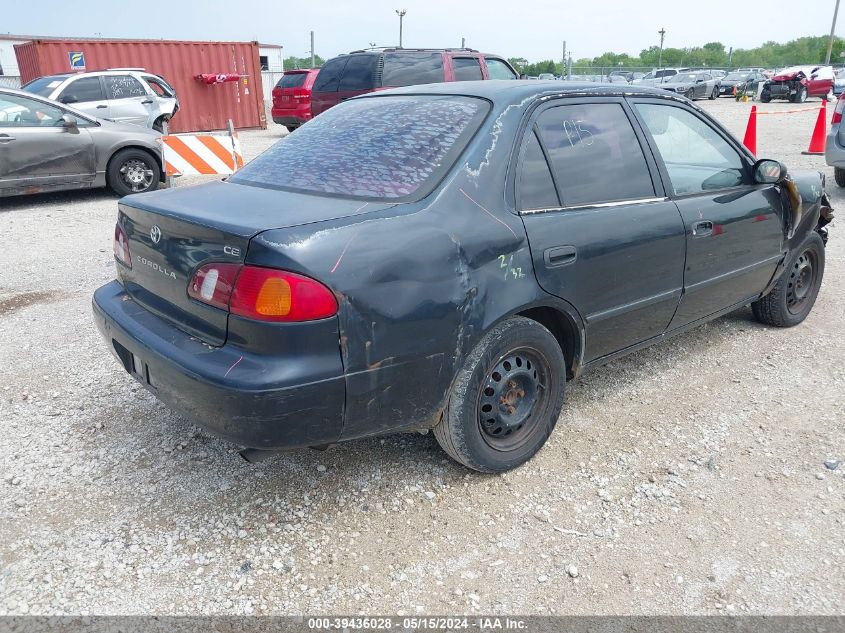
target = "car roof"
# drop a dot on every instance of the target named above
(507, 91)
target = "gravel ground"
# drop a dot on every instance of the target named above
(688, 478)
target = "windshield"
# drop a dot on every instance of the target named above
(43, 86)
(737, 76)
(381, 148)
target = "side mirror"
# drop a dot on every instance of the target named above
(523, 76)
(68, 99)
(699, 81)
(69, 122)
(767, 171)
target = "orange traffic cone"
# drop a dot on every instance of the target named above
(817, 141)
(750, 140)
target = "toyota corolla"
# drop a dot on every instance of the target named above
(446, 257)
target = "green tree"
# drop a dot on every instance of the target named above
(292, 63)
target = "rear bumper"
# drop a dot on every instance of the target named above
(291, 116)
(253, 400)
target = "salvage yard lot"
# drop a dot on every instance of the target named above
(685, 478)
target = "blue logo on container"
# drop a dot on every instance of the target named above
(77, 60)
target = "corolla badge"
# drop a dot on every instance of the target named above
(155, 234)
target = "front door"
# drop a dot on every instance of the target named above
(37, 152)
(129, 101)
(86, 94)
(602, 235)
(734, 228)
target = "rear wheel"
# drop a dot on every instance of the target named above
(792, 298)
(132, 171)
(839, 175)
(506, 398)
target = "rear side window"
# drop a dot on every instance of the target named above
(408, 69)
(328, 78)
(358, 74)
(376, 148)
(497, 69)
(466, 68)
(293, 80)
(83, 90)
(123, 87)
(595, 154)
(536, 187)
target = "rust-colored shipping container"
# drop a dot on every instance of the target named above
(202, 107)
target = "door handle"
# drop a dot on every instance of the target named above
(702, 228)
(5, 138)
(100, 107)
(559, 256)
(147, 101)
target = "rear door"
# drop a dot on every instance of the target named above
(466, 68)
(37, 151)
(324, 93)
(409, 68)
(129, 101)
(602, 235)
(88, 95)
(358, 77)
(734, 228)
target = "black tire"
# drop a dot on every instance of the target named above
(690, 94)
(133, 170)
(290, 128)
(839, 176)
(765, 96)
(715, 93)
(792, 298)
(518, 355)
(801, 95)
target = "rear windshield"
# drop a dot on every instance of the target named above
(374, 148)
(43, 86)
(409, 69)
(293, 80)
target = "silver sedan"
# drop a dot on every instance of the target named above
(47, 146)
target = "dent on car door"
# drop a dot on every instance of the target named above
(602, 236)
(734, 227)
(129, 101)
(36, 151)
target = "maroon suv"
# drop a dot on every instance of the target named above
(292, 98)
(365, 71)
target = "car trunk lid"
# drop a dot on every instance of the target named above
(173, 232)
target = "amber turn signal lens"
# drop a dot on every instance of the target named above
(274, 298)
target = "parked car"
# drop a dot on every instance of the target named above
(798, 83)
(546, 77)
(692, 85)
(716, 73)
(364, 71)
(47, 146)
(627, 75)
(839, 82)
(750, 81)
(123, 95)
(834, 151)
(292, 98)
(445, 256)
(660, 76)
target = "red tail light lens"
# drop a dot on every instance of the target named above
(213, 284)
(263, 294)
(838, 110)
(267, 294)
(121, 247)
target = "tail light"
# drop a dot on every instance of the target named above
(838, 110)
(121, 247)
(263, 294)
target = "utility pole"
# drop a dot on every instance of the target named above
(463, 42)
(730, 57)
(832, 29)
(563, 60)
(662, 32)
(313, 63)
(401, 15)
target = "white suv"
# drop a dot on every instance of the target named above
(125, 95)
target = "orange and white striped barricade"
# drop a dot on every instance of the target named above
(207, 154)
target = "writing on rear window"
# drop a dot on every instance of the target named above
(384, 147)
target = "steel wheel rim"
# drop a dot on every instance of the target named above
(512, 397)
(136, 174)
(802, 280)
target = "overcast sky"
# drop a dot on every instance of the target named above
(533, 29)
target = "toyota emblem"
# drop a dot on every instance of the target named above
(155, 234)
